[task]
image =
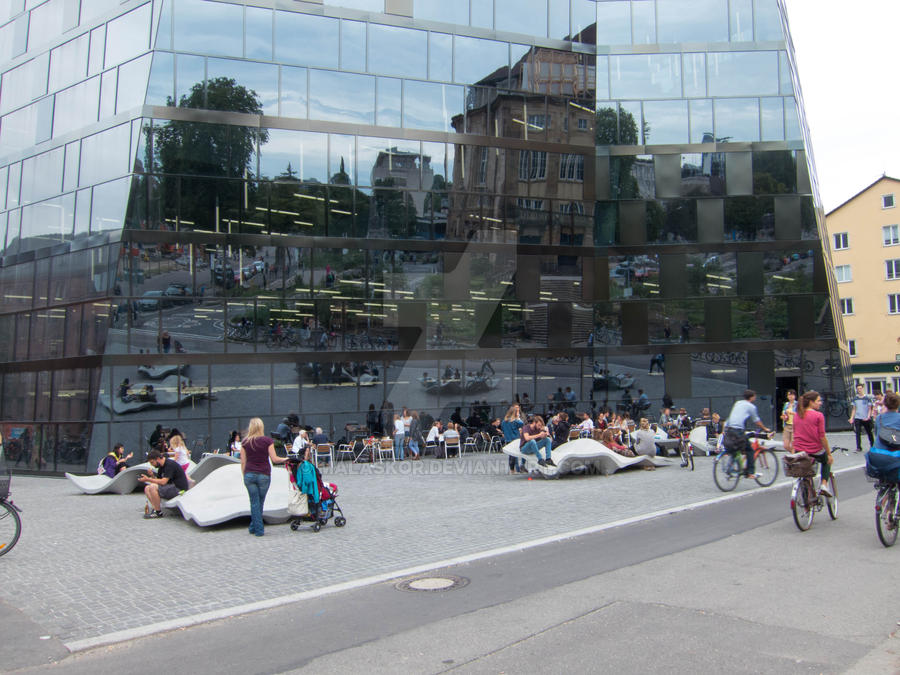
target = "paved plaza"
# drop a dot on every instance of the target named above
(88, 566)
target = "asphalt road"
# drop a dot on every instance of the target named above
(730, 585)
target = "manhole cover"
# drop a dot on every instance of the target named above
(444, 582)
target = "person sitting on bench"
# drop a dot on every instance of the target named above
(169, 482)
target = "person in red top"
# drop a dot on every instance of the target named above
(257, 450)
(809, 434)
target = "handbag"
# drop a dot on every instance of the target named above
(298, 504)
(890, 437)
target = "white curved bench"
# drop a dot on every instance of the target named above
(582, 453)
(124, 483)
(222, 497)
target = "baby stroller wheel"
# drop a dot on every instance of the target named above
(317, 526)
(340, 521)
(295, 526)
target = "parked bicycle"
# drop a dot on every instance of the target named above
(729, 467)
(10, 523)
(806, 500)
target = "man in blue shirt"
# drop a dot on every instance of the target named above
(735, 440)
(861, 418)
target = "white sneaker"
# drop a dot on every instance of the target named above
(823, 488)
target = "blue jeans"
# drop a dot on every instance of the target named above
(398, 446)
(414, 447)
(533, 447)
(257, 485)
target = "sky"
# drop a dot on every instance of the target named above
(847, 63)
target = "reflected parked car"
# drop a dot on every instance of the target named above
(179, 294)
(153, 300)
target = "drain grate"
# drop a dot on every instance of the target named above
(432, 584)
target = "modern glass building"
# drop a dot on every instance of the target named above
(270, 206)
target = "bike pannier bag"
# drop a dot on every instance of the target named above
(799, 465)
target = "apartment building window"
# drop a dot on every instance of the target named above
(846, 306)
(851, 345)
(582, 124)
(892, 269)
(894, 303)
(887, 201)
(482, 166)
(571, 167)
(842, 273)
(530, 204)
(572, 207)
(891, 234)
(538, 122)
(841, 241)
(532, 165)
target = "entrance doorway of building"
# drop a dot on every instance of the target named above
(782, 384)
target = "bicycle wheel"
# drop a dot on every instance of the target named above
(687, 456)
(803, 510)
(726, 472)
(10, 527)
(766, 468)
(832, 501)
(885, 521)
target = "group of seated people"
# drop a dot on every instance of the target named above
(145, 393)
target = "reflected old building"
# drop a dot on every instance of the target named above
(258, 210)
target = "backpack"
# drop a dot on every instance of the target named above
(100, 468)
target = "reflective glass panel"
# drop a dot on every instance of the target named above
(353, 45)
(441, 10)
(258, 33)
(584, 17)
(741, 20)
(280, 154)
(105, 155)
(209, 27)
(665, 121)
(341, 97)
(50, 20)
(293, 92)
(108, 94)
(737, 119)
(68, 62)
(306, 40)
(389, 162)
(474, 59)
(24, 83)
(743, 73)
(161, 85)
(258, 78)
(15, 181)
(364, 5)
(645, 75)
(701, 121)
(692, 21)
(132, 83)
(767, 20)
(643, 21)
(388, 95)
(397, 51)
(427, 105)
(70, 176)
(128, 36)
(559, 19)
(47, 222)
(108, 205)
(482, 13)
(791, 120)
(522, 16)
(772, 116)
(98, 46)
(13, 37)
(694, 74)
(190, 71)
(440, 56)
(342, 152)
(785, 85)
(77, 106)
(42, 175)
(4, 172)
(703, 174)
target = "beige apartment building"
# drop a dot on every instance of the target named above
(864, 236)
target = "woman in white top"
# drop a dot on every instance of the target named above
(179, 451)
(399, 436)
(234, 444)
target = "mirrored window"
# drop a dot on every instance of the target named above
(440, 10)
(161, 84)
(474, 59)
(737, 119)
(584, 21)
(440, 56)
(397, 51)
(108, 93)
(428, 105)
(772, 118)
(767, 20)
(749, 218)
(701, 121)
(260, 79)
(388, 98)
(105, 155)
(77, 106)
(208, 27)
(559, 19)
(13, 37)
(665, 122)
(482, 13)
(363, 5)
(280, 154)
(131, 85)
(306, 40)
(342, 155)
(258, 33)
(522, 16)
(672, 221)
(692, 21)
(353, 45)
(108, 205)
(694, 65)
(26, 126)
(50, 20)
(791, 120)
(42, 175)
(293, 92)
(389, 163)
(128, 36)
(24, 83)
(774, 172)
(785, 85)
(68, 62)
(190, 75)
(643, 21)
(98, 46)
(743, 73)
(341, 97)
(703, 174)
(741, 20)
(645, 75)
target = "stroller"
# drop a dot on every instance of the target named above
(319, 512)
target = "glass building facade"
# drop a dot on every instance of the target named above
(265, 207)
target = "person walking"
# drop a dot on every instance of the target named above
(788, 410)
(861, 418)
(257, 450)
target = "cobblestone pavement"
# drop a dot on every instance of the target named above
(91, 565)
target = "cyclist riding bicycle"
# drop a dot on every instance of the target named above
(735, 440)
(809, 435)
(884, 459)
